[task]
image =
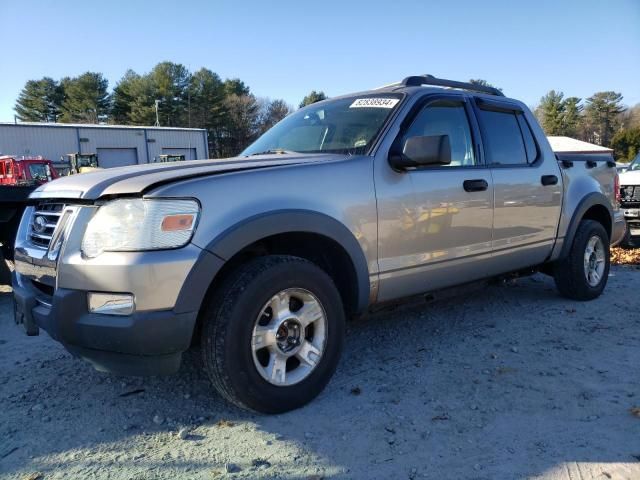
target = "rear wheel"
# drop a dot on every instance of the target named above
(273, 333)
(583, 274)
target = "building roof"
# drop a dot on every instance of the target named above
(572, 145)
(92, 125)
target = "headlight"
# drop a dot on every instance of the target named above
(138, 224)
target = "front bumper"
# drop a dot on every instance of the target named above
(632, 216)
(144, 343)
(50, 292)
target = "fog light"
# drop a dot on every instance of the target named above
(111, 303)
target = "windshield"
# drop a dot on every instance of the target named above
(40, 172)
(346, 125)
(635, 164)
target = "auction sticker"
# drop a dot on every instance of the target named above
(375, 102)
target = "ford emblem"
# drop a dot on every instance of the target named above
(39, 224)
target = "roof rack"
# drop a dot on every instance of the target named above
(417, 80)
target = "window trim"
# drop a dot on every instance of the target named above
(506, 107)
(524, 123)
(476, 139)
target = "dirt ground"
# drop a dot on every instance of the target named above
(511, 381)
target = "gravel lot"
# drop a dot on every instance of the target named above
(511, 381)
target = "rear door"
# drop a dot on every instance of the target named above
(434, 223)
(527, 186)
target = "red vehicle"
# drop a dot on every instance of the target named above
(26, 170)
(19, 176)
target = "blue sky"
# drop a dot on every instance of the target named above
(283, 49)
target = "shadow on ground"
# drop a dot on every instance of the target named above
(509, 382)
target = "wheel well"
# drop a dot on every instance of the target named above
(600, 214)
(323, 251)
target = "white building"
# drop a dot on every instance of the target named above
(115, 145)
(571, 145)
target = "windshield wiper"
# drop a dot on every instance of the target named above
(273, 151)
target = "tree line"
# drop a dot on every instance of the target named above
(232, 115)
(601, 119)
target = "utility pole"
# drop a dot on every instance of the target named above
(157, 115)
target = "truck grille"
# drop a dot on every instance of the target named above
(630, 194)
(43, 223)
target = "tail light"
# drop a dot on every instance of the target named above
(616, 187)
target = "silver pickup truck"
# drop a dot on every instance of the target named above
(351, 202)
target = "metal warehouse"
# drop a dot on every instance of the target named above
(115, 145)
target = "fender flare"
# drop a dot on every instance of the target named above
(590, 200)
(225, 245)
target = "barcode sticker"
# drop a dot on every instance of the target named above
(375, 102)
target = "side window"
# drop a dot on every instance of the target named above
(446, 117)
(503, 140)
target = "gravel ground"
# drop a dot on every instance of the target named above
(511, 381)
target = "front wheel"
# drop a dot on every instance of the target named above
(583, 274)
(272, 334)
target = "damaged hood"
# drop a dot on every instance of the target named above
(138, 179)
(630, 178)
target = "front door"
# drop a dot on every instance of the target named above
(434, 223)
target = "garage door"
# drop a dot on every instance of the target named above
(117, 157)
(189, 153)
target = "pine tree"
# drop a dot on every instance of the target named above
(602, 115)
(550, 113)
(123, 97)
(86, 98)
(39, 101)
(571, 116)
(170, 84)
(313, 97)
(207, 106)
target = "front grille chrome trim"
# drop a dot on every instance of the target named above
(40, 236)
(46, 213)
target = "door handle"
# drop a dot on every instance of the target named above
(549, 180)
(475, 185)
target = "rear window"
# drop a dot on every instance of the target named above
(503, 138)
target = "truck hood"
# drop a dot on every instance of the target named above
(138, 179)
(630, 178)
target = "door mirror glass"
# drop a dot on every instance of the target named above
(421, 151)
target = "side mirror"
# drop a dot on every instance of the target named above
(422, 151)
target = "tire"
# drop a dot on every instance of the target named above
(238, 369)
(571, 273)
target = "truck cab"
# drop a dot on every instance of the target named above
(26, 170)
